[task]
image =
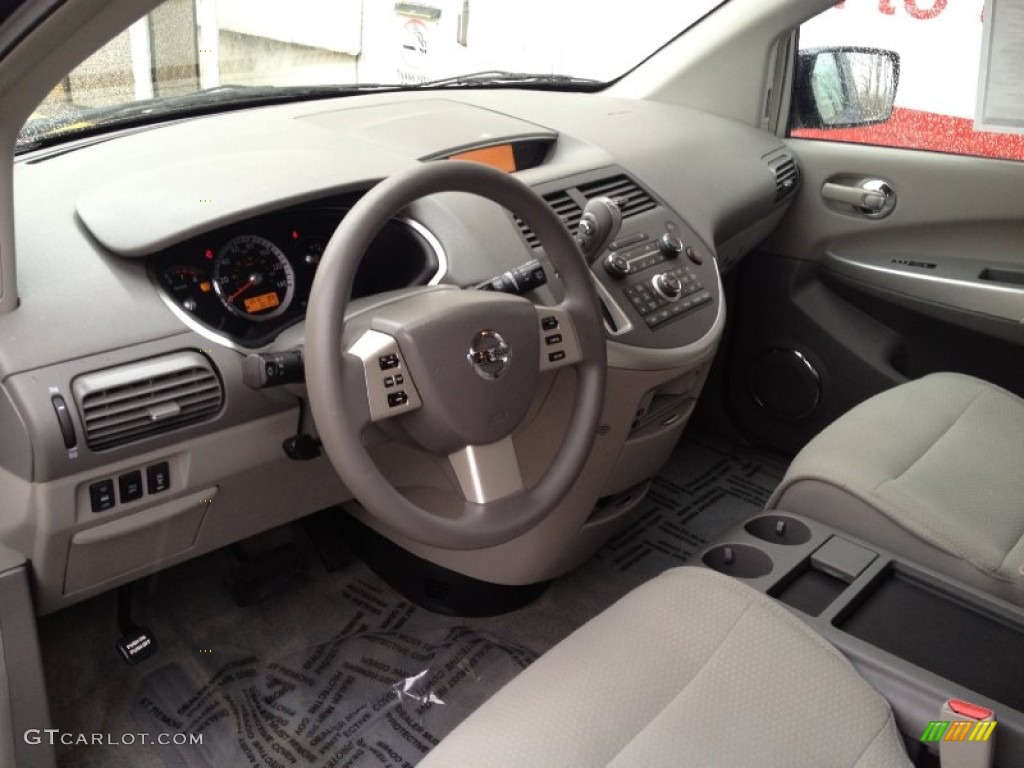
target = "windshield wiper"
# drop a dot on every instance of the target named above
(71, 122)
(500, 77)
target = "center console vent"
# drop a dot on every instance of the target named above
(623, 190)
(146, 398)
(787, 175)
(564, 206)
(568, 203)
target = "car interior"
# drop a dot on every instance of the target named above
(505, 419)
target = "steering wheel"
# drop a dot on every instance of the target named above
(458, 368)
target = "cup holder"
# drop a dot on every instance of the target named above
(779, 529)
(739, 560)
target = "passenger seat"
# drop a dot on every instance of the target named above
(933, 470)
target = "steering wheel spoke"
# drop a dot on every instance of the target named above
(390, 390)
(487, 473)
(559, 345)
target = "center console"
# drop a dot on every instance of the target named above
(917, 636)
(657, 279)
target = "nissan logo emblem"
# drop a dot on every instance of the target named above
(489, 354)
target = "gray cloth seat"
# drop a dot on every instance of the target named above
(933, 470)
(691, 669)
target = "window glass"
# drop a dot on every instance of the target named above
(939, 44)
(191, 50)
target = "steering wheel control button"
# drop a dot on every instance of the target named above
(387, 362)
(67, 428)
(130, 486)
(560, 348)
(379, 352)
(671, 245)
(489, 354)
(158, 477)
(398, 399)
(101, 495)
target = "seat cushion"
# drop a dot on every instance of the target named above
(691, 669)
(932, 469)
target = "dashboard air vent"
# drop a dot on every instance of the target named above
(567, 209)
(127, 403)
(787, 176)
(624, 191)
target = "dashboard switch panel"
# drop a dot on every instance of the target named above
(130, 486)
(158, 477)
(101, 495)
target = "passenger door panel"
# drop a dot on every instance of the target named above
(840, 304)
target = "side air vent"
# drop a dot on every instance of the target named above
(127, 403)
(624, 191)
(564, 207)
(787, 176)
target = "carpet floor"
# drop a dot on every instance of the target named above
(338, 669)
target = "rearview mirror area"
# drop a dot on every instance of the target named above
(844, 87)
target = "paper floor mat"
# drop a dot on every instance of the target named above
(365, 699)
(707, 486)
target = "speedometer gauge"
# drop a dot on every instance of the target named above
(253, 278)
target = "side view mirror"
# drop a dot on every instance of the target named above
(844, 87)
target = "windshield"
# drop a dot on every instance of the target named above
(189, 55)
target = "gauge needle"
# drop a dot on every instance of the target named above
(245, 287)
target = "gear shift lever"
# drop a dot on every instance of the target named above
(598, 226)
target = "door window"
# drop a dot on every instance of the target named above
(939, 43)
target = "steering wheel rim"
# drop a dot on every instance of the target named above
(333, 369)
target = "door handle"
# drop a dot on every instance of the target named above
(873, 198)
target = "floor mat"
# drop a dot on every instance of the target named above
(707, 486)
(363, 699)
(340, 670)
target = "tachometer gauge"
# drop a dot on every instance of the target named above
(253, 278)
(186, 284)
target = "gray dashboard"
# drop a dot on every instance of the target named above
(94, 217)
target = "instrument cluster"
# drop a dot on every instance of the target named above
(247, 282)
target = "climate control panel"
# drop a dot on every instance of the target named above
(659, 276)
(656, 277)
(667, 295)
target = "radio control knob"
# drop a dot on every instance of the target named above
(668, 285)
(616, 265)
(671, 245)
